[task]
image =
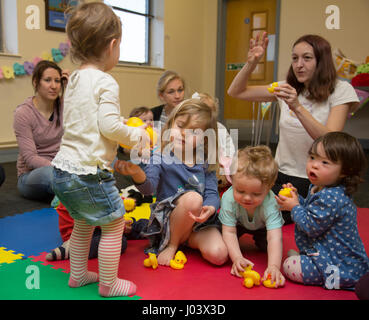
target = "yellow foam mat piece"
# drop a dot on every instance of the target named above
(141, 212)
(8, 256)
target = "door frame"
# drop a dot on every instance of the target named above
(220, 58)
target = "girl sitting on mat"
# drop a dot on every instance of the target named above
(249, 207)
(331, 251)
(83, 180)
(183, 177)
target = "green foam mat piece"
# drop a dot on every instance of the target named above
(29, 280)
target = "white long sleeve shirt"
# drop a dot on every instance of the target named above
(93, 126)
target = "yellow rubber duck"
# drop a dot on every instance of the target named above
(137, 122)
(272, 87)
(269, 284)
(286, 192)
(151, 261)
(251, 277)
(129, 204)
(179, 261)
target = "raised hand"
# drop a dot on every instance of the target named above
(257, 47)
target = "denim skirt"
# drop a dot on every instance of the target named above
(92, 197)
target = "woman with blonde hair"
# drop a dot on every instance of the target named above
(171, 91)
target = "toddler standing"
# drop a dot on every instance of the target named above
(83, 180)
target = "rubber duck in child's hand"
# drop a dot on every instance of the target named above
(179, 261)
(269, 284)
(137, 122)
(285, 192)
(251, 277)
(151, 261)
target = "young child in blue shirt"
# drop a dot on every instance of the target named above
(249, 206)
(183, 177)
(332, 253)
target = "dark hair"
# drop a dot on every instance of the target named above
(324, 78)
(136, 112)
(37, 74)
(340, 147)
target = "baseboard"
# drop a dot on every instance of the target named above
(8, 155)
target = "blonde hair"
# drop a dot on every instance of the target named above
(90, 29)
(212, 102)
(205, 119)
(164, 80)
(257, 162)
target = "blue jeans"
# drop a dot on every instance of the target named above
(36, 184)
(92, 197)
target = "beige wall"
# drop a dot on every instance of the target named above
(189, 48)
(299, 17)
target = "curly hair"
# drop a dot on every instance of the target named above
(340, 147)
(256, 162)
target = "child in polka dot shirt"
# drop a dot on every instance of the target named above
(331, 251)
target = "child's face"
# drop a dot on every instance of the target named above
(113, 57)
(320, 170)
(185, 135)
(248, 191)
(148, 118)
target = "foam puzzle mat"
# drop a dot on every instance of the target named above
(25, 239)
(25, 236)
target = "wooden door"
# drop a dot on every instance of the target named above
(246, 18)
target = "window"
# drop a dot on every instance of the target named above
(8, 27)
(135, 17)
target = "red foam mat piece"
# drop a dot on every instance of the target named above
(201, 281)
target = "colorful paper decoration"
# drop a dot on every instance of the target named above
(28, 67)
(8, 72)
(18, 69)
(47, 56)
(56, 55)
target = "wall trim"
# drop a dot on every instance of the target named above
(8, 155)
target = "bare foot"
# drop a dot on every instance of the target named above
(166, 255)
(292, 252)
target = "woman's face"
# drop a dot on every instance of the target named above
(173, 93)
(50, 84)
(303, 62)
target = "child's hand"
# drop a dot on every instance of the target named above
(239, 265)
(126, 168)
(205, 213)
(287, 203)
(275, 276)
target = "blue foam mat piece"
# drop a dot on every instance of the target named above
(31, 233)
